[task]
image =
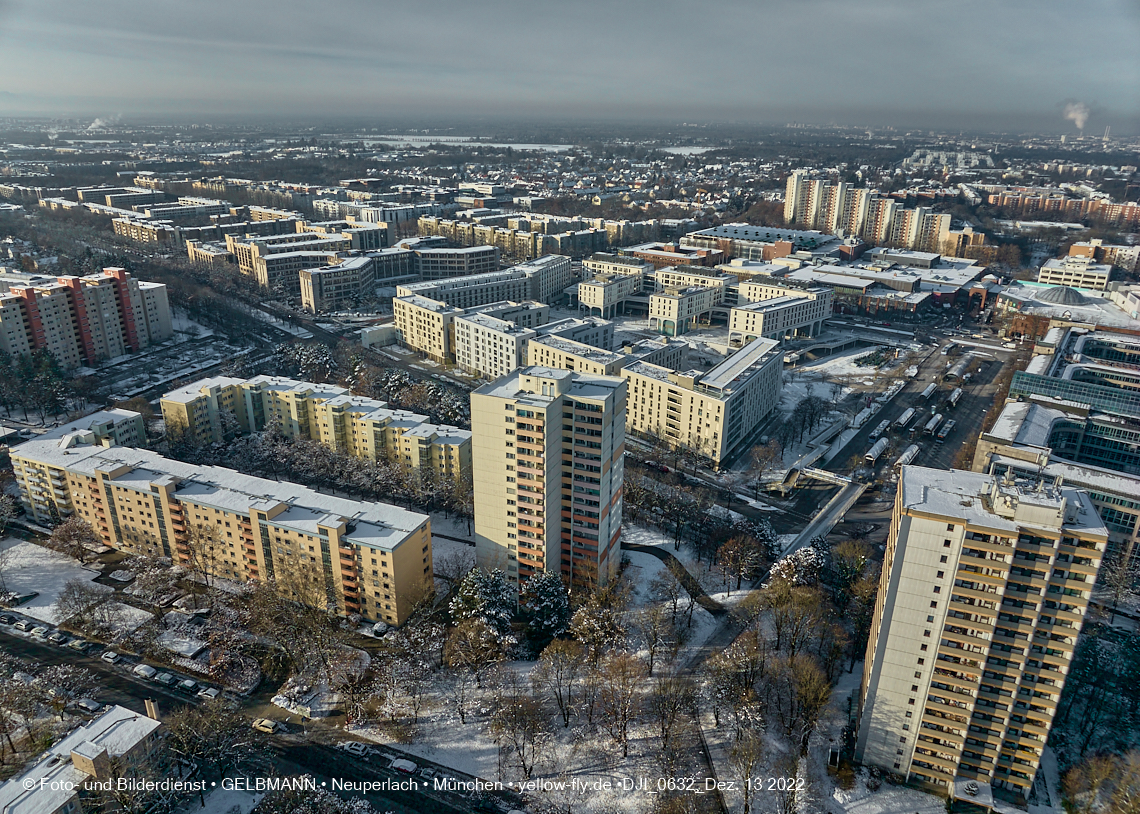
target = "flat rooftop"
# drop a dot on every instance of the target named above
(741, 363)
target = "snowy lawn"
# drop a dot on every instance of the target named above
(224, 801)
(31, 568)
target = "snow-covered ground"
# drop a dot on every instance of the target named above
(223, 801)
(28, 568)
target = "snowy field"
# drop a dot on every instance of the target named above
(28, 568)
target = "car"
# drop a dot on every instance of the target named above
(23, 624)
(405, 766)
(426, 773)
(5, 619)
(145, 671)
(187, 685)
(166, 679)
(266, 725)
(40, 632)
(209, 693)
(353, 748)
(111, 657)
(57, 638)
(89, 705)
(77, 644)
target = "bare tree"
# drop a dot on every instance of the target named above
(74, 537)
(655, 630)
(745, 758)
(520, 722)
(621, 675)
(558, 672)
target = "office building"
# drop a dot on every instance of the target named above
(215, 410)
(712, 413)
(613, 264)
(604, 295)
(661, 255)
(985, 586)
(548, 451)
(1075, 272)
(82, 320)
(370, 559)
(761, 243)
(1060, 439)
(99, 751)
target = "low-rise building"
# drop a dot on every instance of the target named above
(1075, 271)
(1123, 257)
(118, 741)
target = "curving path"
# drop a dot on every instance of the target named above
(687, 580)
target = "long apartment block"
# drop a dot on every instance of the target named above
(213, 410)
(985, 586)
(82, 320)
(545, 280)
(548, 451)
(712, 413)
(370, 559)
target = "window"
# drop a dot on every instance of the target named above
(910, 701)
(926, 633)
(922, 648)
(940, 574)
(914, 688)
(945, 543)
(937, 589)
(918, 673)
(921, 662)
(929, 619)
(942, 558)
(949, 526)
(933, 604)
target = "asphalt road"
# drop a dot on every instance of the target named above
(116, 684)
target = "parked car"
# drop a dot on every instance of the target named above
(166, 679)
(77, 644)
(23, 624)
(111, 657)
(145, 671)
(89, 705)
(405, 766)
(353, 748)
(187, 685)
(209, 693)
(5, 619)
(266, 725)
(57, 638)
(40, 632)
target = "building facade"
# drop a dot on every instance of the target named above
(213, 410)
(713, 413)
(370, 559)
(984, 589)
(82, 320)
(548, 447)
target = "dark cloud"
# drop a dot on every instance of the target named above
(970, 63)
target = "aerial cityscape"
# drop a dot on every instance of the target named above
(644, 417)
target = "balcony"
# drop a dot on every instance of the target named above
(945, 741)
(974, 576)
(947, 709)
(973, 593)
(947, 765)
(959, 604)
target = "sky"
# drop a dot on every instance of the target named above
(961, 64)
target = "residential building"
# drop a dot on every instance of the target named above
(566, 354)
(426, 325)
(545, 279)
(442, 263)
(778, 318)
(1075, 271)
(109, 746)
(217, 409)
(602, 263)
(712, 413)
(673, 311)
(1126, 258)
(548, 450)
(606, 293)
(370, 559)
(82, 320)
(985, 586)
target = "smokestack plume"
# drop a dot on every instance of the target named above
(1078, 113)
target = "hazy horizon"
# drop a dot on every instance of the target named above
(1017, 66)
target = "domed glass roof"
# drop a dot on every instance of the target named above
(1061, 295)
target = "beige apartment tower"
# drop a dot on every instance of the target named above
(984, 589)
(547, 453)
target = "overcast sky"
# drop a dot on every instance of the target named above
(943, 63)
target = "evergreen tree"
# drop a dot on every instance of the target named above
(548, 608)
